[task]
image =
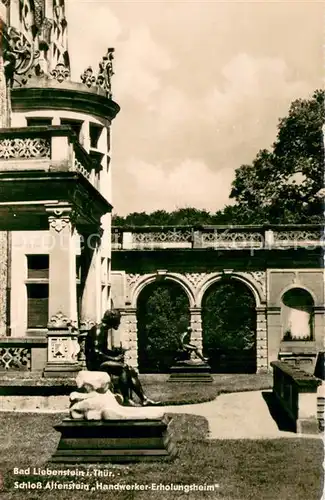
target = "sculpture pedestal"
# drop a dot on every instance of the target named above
(190, 372)
(125, 440)
(302, 354)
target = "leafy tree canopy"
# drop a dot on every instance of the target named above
(283, 185)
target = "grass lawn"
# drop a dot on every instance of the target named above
(244, 469)
(180, 393)
(156, 386)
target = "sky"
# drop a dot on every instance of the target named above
(201, 85)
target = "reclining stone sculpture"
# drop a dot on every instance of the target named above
(94, 400)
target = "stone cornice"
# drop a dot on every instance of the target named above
(71, 98)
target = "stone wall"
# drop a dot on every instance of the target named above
(296, 392)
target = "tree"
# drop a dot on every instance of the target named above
(163, 312)
(180, 217)
(283, 185)
(229, 325)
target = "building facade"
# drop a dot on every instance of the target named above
(280, 267)
(61, 263)
(55, 184)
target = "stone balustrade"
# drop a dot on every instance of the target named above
(47, 149)
(247, 237)
(296, 392)
(22, 354)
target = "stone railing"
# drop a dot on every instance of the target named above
(218, 237)
(22, 354)
(296, 392)
(36, 147)
(49, 149)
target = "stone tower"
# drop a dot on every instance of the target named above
(55, 184)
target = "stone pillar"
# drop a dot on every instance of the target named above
(274, 332)
(261, 341)
(4, 98)
(196, 325)
(4, 264)
(129, 336)
(319, 327)
(90, 312)
(4, 283)
(62, 327)
(84, 135)
(90, 307)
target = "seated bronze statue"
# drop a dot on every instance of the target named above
(99, 358)
(188, 351)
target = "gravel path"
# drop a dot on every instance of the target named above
(240, 415)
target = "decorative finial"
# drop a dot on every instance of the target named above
(104, 76)
(19, 56)
(88, 77)
(60, 72)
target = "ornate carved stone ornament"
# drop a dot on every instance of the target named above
(260, 278)
(232, 240)
(64, 349)
(86, 324)
(58, 223)
(103, 79)
(59, 320)
(44, 36)
(20, 57)
(83, 204)
(15, 358)
(195, 278)
(298, 238)
(173, 236)
(132, 279)
(106, 72)
(39, 7)
(88, 78)
(61, 72)
(24, 148)
(80, 168)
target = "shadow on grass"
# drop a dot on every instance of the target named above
(280, 417)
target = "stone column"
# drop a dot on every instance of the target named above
(90, 312)
(62, 327)
(4, 283)
(90, 307)
(274, 332)
(85, 136)
(4, 235)
(129, 336)
(4, 98)
(196, 325)
(319, 327)
(261, 341)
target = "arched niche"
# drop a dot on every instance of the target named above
(297, 315)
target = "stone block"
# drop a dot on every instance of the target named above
(186, 372)
(307, 426)
(38, 358)
(118, 441)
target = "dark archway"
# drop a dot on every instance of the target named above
(162, 313)
(229, 327)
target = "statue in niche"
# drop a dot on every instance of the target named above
(189, 353)
(99, 357)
